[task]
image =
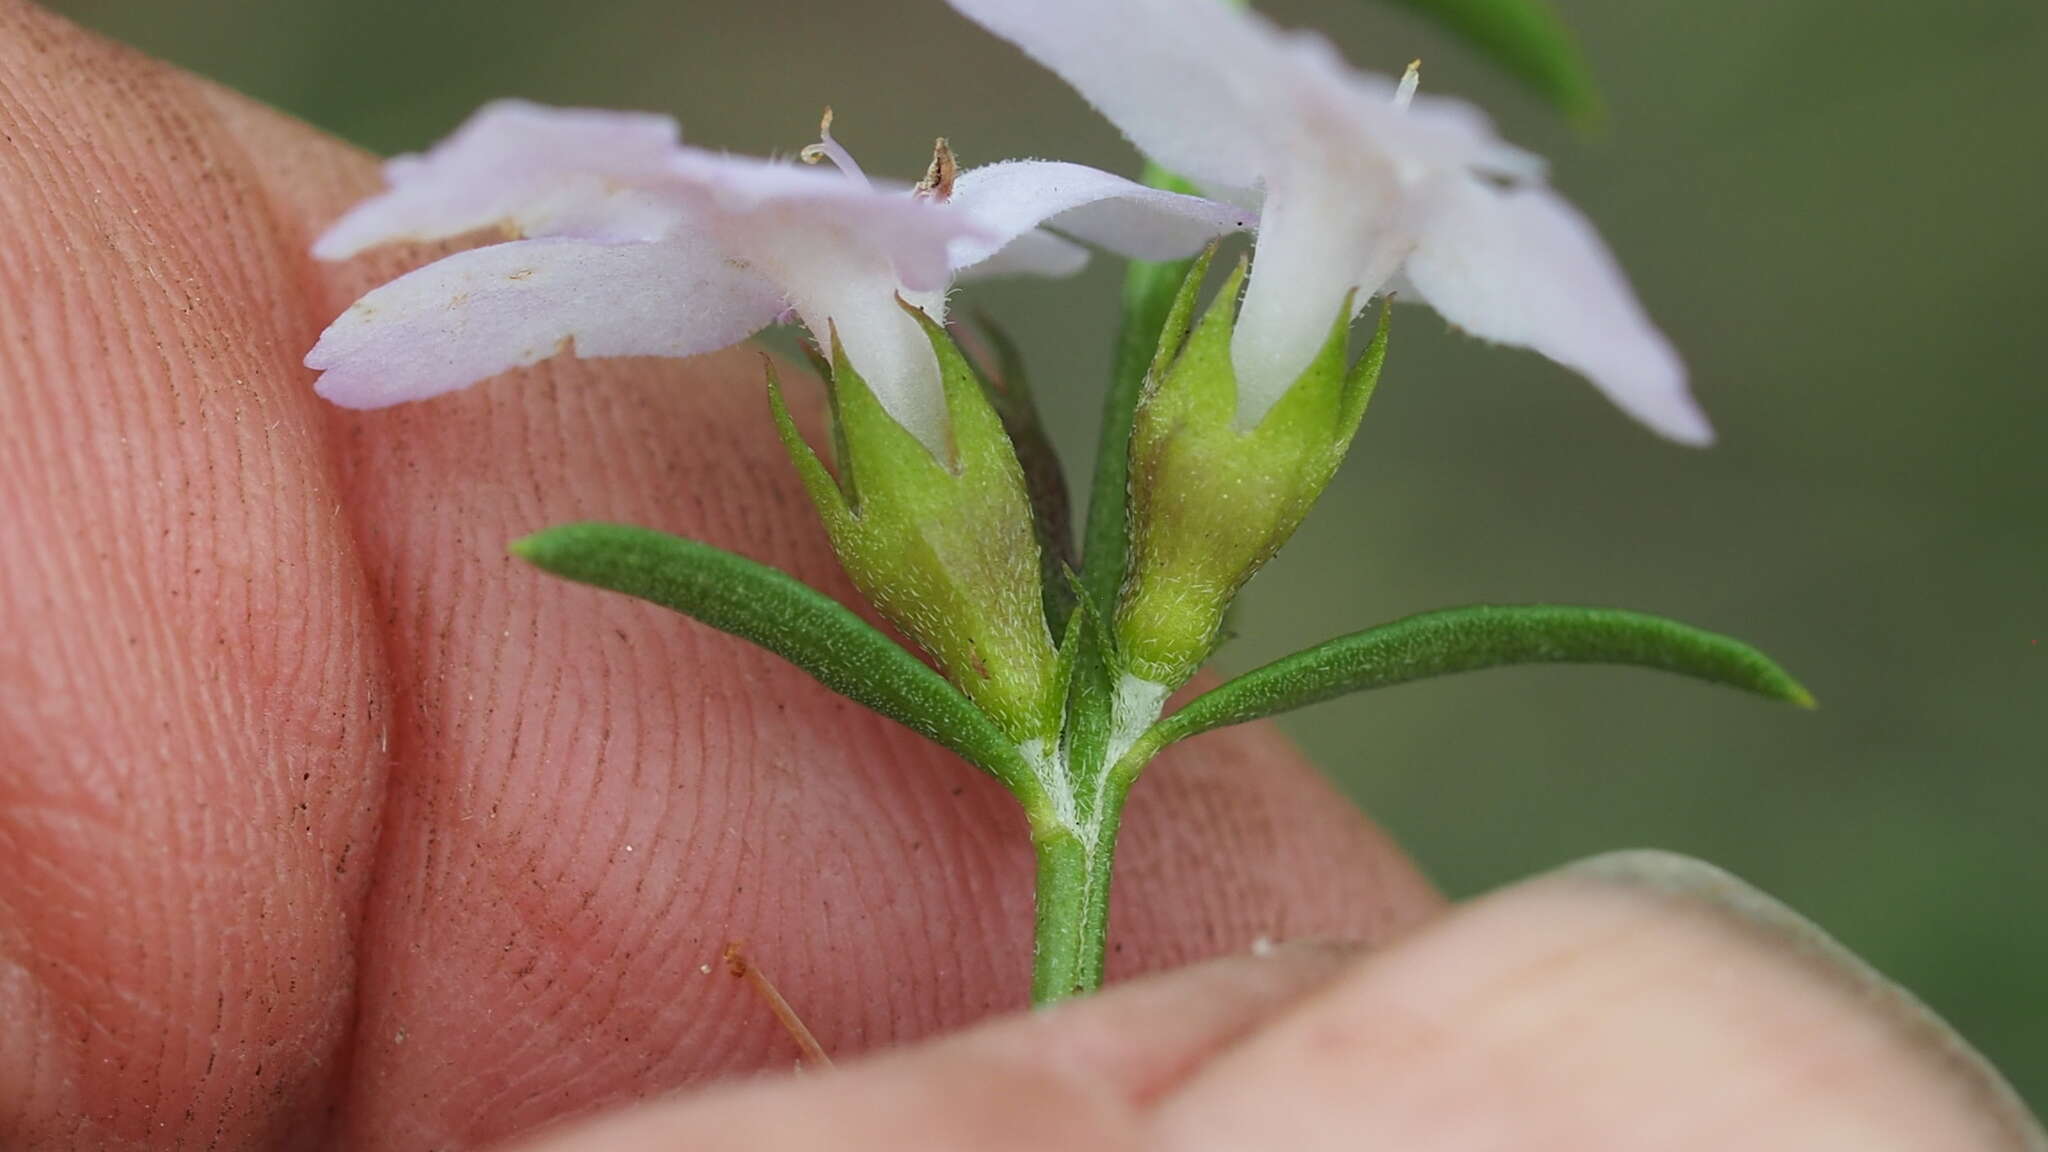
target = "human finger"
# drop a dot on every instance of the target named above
(192, 702)
(1081, 1076)
(1638, 1001)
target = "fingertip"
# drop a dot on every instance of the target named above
(1078, 1076)
(1635, 1000)
(1701, 890)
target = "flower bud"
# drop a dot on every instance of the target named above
(1210, 502)
(946, 550)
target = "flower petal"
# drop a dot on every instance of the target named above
(488, 310)
(1324, 235)
(757, 206)
(1172, 74)
(842, 252)
(885, 344)
(1035, 253)
(1520, 266)
(539, 171)
(842, 284)
(1428, 133)
(1011, 198)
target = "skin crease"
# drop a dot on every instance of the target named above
(325, 825)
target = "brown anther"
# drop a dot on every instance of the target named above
(938, 179)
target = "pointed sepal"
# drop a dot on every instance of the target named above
(1045, 481)
(1211, 501)
(946, 549)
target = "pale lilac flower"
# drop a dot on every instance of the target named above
(631, 244)
(1360, 185)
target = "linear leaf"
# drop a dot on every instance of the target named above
(787, 617)
(1529, 40)
(1484, 636)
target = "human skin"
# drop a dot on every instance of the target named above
(325, 824)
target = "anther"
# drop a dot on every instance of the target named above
(829, 149)
(938, 179)
(1410, 80)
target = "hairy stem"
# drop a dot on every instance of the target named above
(1072, 921)
(1075, 865)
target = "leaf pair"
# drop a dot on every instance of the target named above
(853, 658)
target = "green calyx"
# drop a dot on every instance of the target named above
(1211, 502)
(946, 550)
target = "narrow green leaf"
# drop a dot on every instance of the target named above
(1149, 291)
(787, 617)
(1529, 40)
(1484, 636)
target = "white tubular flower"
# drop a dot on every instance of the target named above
(1360, 184)
(630, 244)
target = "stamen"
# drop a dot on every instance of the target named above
(1403, 96)
(938, 179)
(829, 149)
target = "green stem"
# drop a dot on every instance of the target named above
(1058, 963)
(1074, 870)
(1095, 953)
(1077, 851)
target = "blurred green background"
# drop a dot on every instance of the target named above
(1833, 206)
